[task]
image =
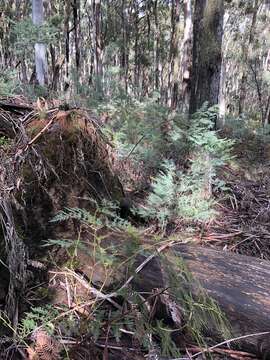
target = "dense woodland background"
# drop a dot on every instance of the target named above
(137, 49)
(134, 165)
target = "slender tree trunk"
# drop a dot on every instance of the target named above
(124, 46)
(156, 47)
(222, 92)
(206, 68)
(222, 95)
(173, 78)
(207, 33)
(91, 57)
(76, 20)
(40, 48)
(243, 81)
(267, 113)
(186, 51)
(67, 35)
(137, 68)
(97, 26)
(24, 72)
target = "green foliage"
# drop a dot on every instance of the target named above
(134, 316)
(187, 195)
(8, 83)
(251, 139)
(161, 201)
(168, 346)
(38, 317)
(205, 139)
(146, 132)
(76, 213)
(4, 141)
(26, 34)
(176, 195)
(202, 314)
(105, 214)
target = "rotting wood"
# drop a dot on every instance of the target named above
(17, 109)
(238, 283)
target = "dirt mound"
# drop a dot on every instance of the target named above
(50, 160)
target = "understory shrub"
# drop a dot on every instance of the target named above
(8, 83)
(188, 194)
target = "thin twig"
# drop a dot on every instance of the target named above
(92, 289)
(226, 342)
(226, 351)
(41, 132)
(134, 147)
(142, 265)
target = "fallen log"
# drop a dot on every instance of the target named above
(15, 108)
(239, 284)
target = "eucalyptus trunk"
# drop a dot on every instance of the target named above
(97, 27)
(207, 41)
(173, 82)
(186, 52)
(40, 48)
(156, 47)
(246, 50)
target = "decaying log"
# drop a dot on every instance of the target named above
(240, 285)
(15, 108)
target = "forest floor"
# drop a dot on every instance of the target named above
(242, 226)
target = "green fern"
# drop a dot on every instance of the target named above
(161, 201)
(78, 214)
(187, 196)
(38, 316)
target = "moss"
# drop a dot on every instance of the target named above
(42, 115)
(44, 293)
(72, 263)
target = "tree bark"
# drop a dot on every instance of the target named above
(76, 20)
(156, 46)
(97, 26)
(124, 46)
(243, 81)
(207, 35)
(67, 37)
(239, 284)
(186, 51)
(40, 48)
(173, 82)
(137, 66)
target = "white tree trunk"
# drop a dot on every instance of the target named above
(40, 48)
(186, 54)
(222, 87)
